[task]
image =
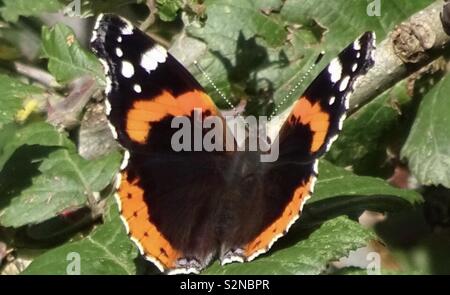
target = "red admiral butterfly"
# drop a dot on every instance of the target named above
(183, 209)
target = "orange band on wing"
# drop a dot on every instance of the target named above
(318, 120)
(278, 228)
(144, 112)
(135, 212)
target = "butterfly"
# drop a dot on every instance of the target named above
(183, 209)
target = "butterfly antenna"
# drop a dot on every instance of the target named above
(216, 89)
(300, 82)
(221, 94)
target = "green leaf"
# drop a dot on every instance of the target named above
(12, 9)
(269, 5)
(366, 135)
(42, 174)
(427, 148)
(243, 17)
(67, 59)
(107, 250)
(335, 181)
(168, 9)
(12, 95)
(65, 181)
(334, 17)
(339, 191)
(39, 133)
(333, 240)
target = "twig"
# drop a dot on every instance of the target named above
(410, 46)
(151, 17)
(65, 112)
(150, 20)
(36, 74)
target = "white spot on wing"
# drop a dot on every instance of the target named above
(330, 142)
(119, 39)
(113, 130)
(231, 260)
(151, 58)
(347, 101)
(137, 88)
(97, 21)
(332, 100)
(357, 45)
(128, 28)
(372, 54)
(94, 36)
(344, 83)
(183, 271)
(108, 87)
(118, 180)
(118, 201)
(306, 198)
(107, 107)
(105, 65)
(96, 26)
(335, 70)
(119, 52)
(138, 244)
(316, 167)
(354, 67)
(341, 122)
(127, 69)
(126, 157)
(312, 184)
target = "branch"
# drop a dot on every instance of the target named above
(150, 20)
(65, 112)
(151, 17)
(410, 46)
(36, 74)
